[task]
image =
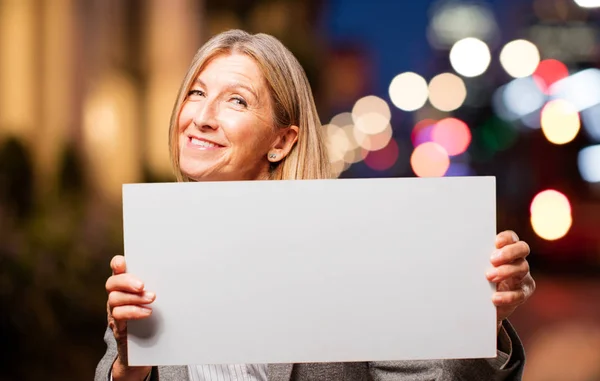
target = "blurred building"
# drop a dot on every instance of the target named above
(98, 77)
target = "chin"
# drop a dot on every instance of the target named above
(200, 172)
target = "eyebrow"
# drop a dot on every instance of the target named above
(230, 86)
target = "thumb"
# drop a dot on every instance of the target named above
(118, 265)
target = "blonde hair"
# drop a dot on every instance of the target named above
(291, 96)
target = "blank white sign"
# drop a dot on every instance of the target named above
(312, 271)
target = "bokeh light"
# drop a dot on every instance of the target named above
(470, 57)
(591, 122)
(447, 92)
(533, 120)
(383, 159)
(371, 115)
(353, 153)
(588, 162)
(341, 119)
(421, 132)
(548, 73)
(408, 91)
(520, 58)
(580, 89)
(430, 160)
(453, 21)
(560, 121)
(522, 96)
(588, 3)
(341, 146)
(337, 143)
(452, 134)
(500, 107)
(551, 215)
(373, 142)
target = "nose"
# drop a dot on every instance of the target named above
(206, 115)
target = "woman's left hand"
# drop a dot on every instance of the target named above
(510, 272)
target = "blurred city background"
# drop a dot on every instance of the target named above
(509, 88)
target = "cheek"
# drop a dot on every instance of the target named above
(185, 117)
(249, 133)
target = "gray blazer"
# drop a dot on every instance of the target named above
(508, 366)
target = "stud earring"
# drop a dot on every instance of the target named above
(272, 156)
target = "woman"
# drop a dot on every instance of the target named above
(245, 112)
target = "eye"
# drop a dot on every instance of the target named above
(239, 101)
(195, 93)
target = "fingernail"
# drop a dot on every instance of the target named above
(496, 253)
(496, 298)
(149, 296)
(138, 285)
(514, 237)
(492, 274)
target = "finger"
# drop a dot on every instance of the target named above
(124, 282)
(119, 298)
(506, 238)
(118, 265)
(510, 253)
(517, 270)
(508, 298)
(122, 313)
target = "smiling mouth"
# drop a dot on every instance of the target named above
(202, 144)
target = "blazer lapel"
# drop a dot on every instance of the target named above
(279, 372)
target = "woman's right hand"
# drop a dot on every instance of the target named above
(127, 300)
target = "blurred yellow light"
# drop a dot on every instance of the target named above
(408, 91)
(109, 135)
(520, 58)
(337, 143)
(342, 146)
(447, 92)
(354, 152)
(430, 160)
(342, 119)
(470, 57)
(373, 142)
(371, 114)
(353, 156)
(560, 121)
(349, 131)
(551, 215)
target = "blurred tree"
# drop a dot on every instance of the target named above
(16, 178)
(71, 174)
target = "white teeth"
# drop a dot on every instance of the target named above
(202, 143)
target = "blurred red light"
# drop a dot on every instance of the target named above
(421, 132)
(384, 158)
(549, 72)
(452, 134)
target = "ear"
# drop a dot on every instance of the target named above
(283, 144)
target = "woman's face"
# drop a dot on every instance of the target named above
(226, 129)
